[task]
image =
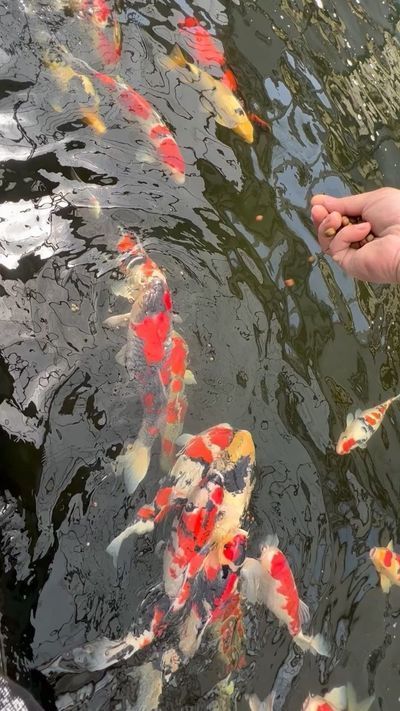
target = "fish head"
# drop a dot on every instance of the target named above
(382, 558)
(242, 446)
(244, 128)
(157, 298)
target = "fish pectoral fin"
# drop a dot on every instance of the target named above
(189, 378)
(337, 698)
(183, 439)
(177, 57)
(390, 545)
(117, 321)
(145, 157)
(363, 445)
(385, 583)
(120, 357)
(357, 413)
(349, 419)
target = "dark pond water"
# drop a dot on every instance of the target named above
(285, 363)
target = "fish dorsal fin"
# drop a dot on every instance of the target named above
(337, 698)
(189, 378)
(183, 439)
(385, 583)
(271, 541)
(349, 419)
(390, 545)
(304, 613)
(358, 413)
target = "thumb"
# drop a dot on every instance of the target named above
(352, 205)
(347, 235)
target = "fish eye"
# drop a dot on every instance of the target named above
(239, 111)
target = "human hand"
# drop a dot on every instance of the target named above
(377, 261)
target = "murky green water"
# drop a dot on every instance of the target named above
(287, 363)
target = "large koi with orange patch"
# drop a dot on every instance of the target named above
(270, 581)
(136, 107)
(387, 564)
(177, 400)
(191, 466)
(202, 46)
(146, 353)
(361, 426)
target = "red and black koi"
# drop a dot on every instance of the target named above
(148, 348)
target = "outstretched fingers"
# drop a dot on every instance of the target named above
(352, 205)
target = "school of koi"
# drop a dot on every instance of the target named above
(205, 492)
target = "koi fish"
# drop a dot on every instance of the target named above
(211, 593)
(215, 97)
(177, 401)
(191, 466)
(361, 426)
(256, 705)
(64, 76)
(204, 49)
(135, 106)
(103, 21)
(145, 354)
(270, 581)
(341, 698)
(387, 564)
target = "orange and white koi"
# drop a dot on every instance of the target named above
(203, 47)
(216, 98)
(145, 354)
(88, 102)
(341, 698)
(136, 107)
(387, 564)
(270, 581)
(177, 401)
(361, 426)
(105, 25)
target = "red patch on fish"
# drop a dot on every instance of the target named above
(126, 243)
(108, 81)
(148, 401)
(153, 331)
(135, 103)
(163, 496)
(324, 707)
(229, 80)
(146, 512)
(202, 44)
(387, 559)
(176, 386)
(169, 154)
(220, 436)
(280, 571)
(108, 50)
(167, 301)
(348, 444)
(197, 449)
(178, 357)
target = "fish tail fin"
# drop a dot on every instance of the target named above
(114, 547)
(92, 119)
(337, 698)
(133, 465)
(353, 704)
(176, 57)
(315, 645)
(256, 704)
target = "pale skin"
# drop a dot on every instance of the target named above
(377, 261)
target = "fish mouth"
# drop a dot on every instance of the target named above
(178, 178)
(245, 131)
(241, 446)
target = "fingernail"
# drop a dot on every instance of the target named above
(360, 226)
(330, 233)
